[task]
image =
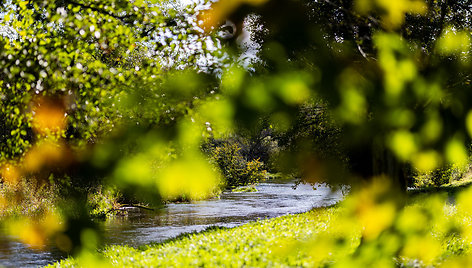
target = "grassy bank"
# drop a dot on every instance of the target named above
(272, 242)
(428, 232)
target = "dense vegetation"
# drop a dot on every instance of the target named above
(151, 101)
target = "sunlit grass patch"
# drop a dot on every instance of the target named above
(250, 245)
(362, 231)
(273, 242)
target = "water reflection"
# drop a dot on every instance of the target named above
(231, 209)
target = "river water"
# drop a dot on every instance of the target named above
(229, 210)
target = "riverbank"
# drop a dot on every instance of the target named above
(232, 208)
(271, 242)
(429, 231)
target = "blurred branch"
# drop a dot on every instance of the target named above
(122, 18)
(371, 19)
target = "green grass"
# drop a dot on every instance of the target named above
(271, 242)
(428, 232)
(358, 232)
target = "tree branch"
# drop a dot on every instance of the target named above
(371, 19)
(101, 10)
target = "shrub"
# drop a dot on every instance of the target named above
(102, 200)
(27, 198)
(439, 176)
(236, 168)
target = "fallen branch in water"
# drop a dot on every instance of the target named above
(129, 206)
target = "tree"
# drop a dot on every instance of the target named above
(392, 89)
(395, 78)
(80, 76)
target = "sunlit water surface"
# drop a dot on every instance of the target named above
(231, 209)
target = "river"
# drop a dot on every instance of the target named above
(229, 210)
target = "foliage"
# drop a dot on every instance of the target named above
(84, 94)
(245, 189)
(315, 137)
(271, 144)
(82, 78)
(440, 176)
(26, 198)
(103, 201)
(397, 109)
(236, 168)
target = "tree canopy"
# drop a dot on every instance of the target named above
(395, 77)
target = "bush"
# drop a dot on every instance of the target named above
(102, 200)
(439, 176)
(27, 198)
(236, 168)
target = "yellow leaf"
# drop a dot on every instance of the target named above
(10, 174)
(192, 177)
(49, 116)
(426, 161)
(424, 248)
(456, 152)
(403, 144)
